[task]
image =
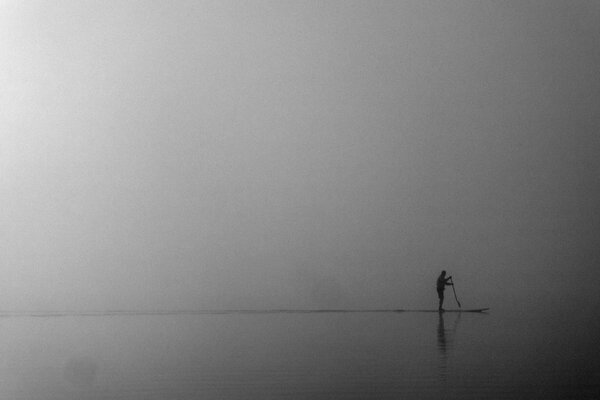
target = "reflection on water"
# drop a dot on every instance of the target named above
(445, 341)
(296, 356)
(441, 334)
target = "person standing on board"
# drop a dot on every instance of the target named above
(442, 282)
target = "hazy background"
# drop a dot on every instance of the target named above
(168, 155)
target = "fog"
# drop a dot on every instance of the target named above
(212, 155)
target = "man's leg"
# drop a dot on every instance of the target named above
(441, 296)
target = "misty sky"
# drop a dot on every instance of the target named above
(163, 155)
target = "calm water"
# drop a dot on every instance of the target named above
(299, 356)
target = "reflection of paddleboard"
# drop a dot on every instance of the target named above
(470, 310)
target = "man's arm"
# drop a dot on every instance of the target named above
(447, 279)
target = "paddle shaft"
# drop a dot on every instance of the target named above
(456, 298)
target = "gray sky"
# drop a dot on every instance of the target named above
(297, 154)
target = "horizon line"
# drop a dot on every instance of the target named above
(92, 313)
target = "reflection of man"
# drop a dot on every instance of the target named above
(441, 334)
(445, 344)
(442, 281)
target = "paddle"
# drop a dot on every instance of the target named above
(452, 280)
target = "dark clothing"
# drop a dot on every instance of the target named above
(442, 282)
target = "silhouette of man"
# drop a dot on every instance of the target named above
(442, 282)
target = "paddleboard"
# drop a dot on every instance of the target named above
(446, 311)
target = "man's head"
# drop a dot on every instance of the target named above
(443, 273)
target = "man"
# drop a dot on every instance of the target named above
(442, 281)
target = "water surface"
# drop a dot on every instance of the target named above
(297, 356)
